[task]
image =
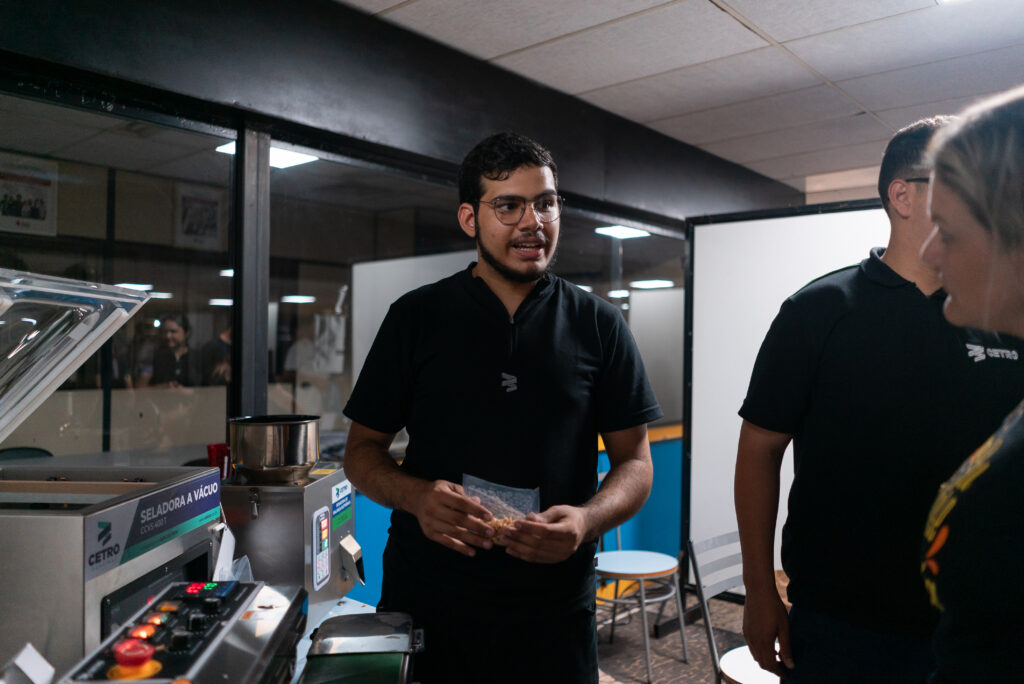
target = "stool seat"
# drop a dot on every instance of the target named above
(659, 570)
(635, 564)
(739, 667)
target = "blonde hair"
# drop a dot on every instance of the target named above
(980, 157)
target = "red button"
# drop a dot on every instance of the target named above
(133, 652)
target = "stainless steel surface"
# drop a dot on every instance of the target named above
(272, 525)
(279, 448)
(67, 546)
(252, 640)
(364, 633)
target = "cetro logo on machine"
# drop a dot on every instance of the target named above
(105, 534)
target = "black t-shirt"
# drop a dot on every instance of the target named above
(973, 562)
(517, 401)
(883, 398)
(168, 368)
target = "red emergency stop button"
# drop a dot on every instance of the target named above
(133, 652)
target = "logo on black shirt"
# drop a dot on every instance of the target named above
(979, 353)
(509, 382)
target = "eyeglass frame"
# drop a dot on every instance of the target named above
(533, 204)
(918, 179)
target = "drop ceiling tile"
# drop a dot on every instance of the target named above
(488, 28)
(817, 136)
(904, 116)
(967, 76)
(821, 161)
(915, 38)
(371, 6)
(703, 86)
(121, 152)
(666, 38)
(30, 135)
(758, 116)
(787, 19)
(46, 112)
(200, 167)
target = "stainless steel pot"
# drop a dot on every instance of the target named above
(269, 449)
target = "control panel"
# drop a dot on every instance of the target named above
(321, 547)
(171, 635)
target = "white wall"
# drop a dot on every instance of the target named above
(376, 284)
(742, 273)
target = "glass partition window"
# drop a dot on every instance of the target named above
(347, 240)
(124, 202)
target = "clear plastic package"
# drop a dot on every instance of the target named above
(506, 504)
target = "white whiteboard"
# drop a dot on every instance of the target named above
(377, 284)
(742, 273)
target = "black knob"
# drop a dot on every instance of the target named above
(180, 639)
(196, 622)
(211, 605)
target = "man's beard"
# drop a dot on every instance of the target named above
(508, 273)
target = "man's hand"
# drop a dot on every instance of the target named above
(547, 537)
(764, 621)
(449, 517)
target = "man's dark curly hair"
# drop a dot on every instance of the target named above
(495, 158)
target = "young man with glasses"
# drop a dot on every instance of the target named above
(507, 373)
(882, 399)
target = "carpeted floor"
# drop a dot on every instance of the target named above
(622, 661)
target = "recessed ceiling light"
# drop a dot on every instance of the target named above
(141, 287)
(227, 272)
(156, 322)
(161, 295)
(618, 294)
(621, 232)
(298, 299)
(651, 284)
(279, 159)
(220, 302)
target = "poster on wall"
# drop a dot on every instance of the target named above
(198, 216)
(28, 195)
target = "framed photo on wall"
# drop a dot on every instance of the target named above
(199, 216)
(28, 195)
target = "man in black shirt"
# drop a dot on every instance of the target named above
(882, 399)
(507, 373)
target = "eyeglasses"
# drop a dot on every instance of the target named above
(920, 179)
(510, 210)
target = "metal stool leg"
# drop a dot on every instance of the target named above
(647, 642)
(615, 607)
(682, 615)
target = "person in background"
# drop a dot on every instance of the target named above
(506, 372)
(881, 398)
(174, 364)
(215, 359)
(973, 559)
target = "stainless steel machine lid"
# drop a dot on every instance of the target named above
(49, 326)
(383, 632)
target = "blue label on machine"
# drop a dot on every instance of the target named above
(341, 504)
